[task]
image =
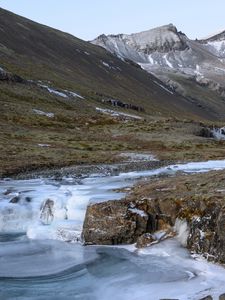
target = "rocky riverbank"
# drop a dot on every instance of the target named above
(193, 206)
(81, 171)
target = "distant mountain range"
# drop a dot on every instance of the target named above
(184, 65)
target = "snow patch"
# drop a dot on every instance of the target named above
(43, 113)
(114, 113)
(73, 94)
(53, 91)
(135, 157)
(43, 145)
(106, 64)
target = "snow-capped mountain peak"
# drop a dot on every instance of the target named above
(168, 54)
(163, 39)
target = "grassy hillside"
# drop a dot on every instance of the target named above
(76, 133)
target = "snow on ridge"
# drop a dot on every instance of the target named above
(114, 113)
(167, 61)
(217, 44)
(163, 87)
(43, 113)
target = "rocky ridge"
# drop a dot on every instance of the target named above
(173, 57)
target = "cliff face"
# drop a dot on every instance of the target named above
(193, 206)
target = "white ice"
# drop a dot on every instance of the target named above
(71, 199)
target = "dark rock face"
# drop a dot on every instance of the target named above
(119, 103)
(15, 199)
(207, 298)
(122, 222)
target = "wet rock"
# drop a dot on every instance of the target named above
(222, 297)
(15, 199)
(9, 191)
(207, 298)
(145, 240)
(28, 199)
(47, 212)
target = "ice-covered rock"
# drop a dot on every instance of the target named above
(47, 212)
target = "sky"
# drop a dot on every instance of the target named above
(87, 19)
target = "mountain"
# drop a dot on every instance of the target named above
(66, 101)
(183, 64)
(215, 44)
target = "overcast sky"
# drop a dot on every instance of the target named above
(87, 19)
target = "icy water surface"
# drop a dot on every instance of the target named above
(36, 263)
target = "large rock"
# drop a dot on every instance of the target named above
(122, 221)
(197, 200)
(113, 222)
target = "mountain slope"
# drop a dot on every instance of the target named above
(65, 101)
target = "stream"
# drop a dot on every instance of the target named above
(48, 261)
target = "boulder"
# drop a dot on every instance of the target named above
(113, 222)
(123, 222)
(15, 199)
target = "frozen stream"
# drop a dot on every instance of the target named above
(35, 263)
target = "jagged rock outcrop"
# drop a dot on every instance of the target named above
(8, 77)
(153, 207)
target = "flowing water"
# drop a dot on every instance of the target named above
(37, 263)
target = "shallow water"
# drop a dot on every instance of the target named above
(36, 264)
